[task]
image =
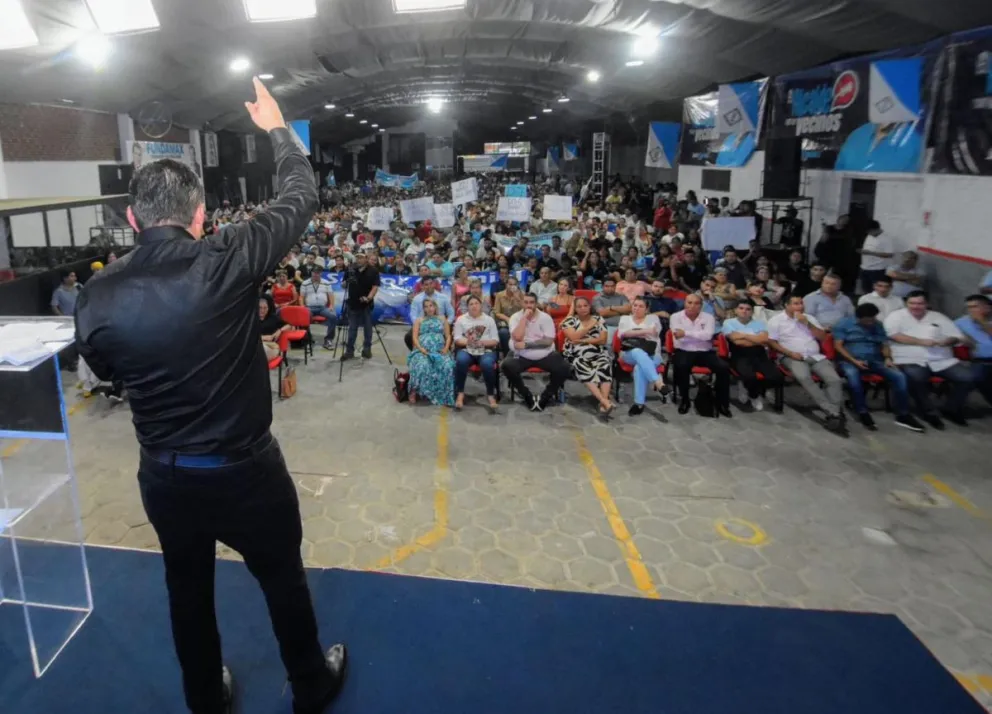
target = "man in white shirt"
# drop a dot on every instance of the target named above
(922, 347)
(876, 255)
(693, 331)
(882, 298)
(545, 288)
(317, 296)
(796, 336)
(532, 335)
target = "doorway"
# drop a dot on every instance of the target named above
(861, 208)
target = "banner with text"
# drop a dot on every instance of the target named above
(211, 155)
(380, 218)
(513, 209)
(395, 180)
(444, 215)
(465, 191)
(722, 128)
(417, 209)
(146, 152)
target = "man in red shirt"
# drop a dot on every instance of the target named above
(662, 218)
(424, 230)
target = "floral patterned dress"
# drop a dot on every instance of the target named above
(432, 376)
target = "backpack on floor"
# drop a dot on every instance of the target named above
(401, 385)
(705, 401)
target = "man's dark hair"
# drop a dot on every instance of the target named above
(749, 302)
(609, 280)
(165, 192)
(315, 270)
(874, 226)
(884, 279)
(866, 310)
(64, 274)
(917, 293)
(978, 298)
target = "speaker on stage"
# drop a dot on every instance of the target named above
(783, 162)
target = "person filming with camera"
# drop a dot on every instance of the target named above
(362, 283)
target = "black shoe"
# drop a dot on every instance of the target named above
(724, 411)
(955, 418)
(906, 421)
(228, 680)
(934, 421)
(347, 356)
(367, 354)
(834, 423)
(685, 406)
(529, 401)
(337, 665)
(635, 410)
(868, 421)
(544, 401)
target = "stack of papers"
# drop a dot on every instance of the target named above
(24, 342)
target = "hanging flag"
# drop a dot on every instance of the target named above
(663, 143)
(571, 152)
(554, 158)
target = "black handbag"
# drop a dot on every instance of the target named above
(634, 343)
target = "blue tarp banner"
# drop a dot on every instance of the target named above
(722, 128)
(554, 158)
(516, 190)
(571, 152)
(534, 242)
(395, 180)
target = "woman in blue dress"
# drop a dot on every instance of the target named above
(432, 374)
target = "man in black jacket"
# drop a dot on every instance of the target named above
(176, 320)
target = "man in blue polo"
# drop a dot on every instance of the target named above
(749, 356)
(863, 346)
(828, 304)
(977, 329)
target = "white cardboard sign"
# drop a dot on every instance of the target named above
(513, 209)
(380, 218)
(465, 191)
(444, 215)
(557, 208)
(417, 209)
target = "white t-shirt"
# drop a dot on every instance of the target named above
(876, 244)
(933, 326)
(886, 306)
(476, 328)
(651, 323)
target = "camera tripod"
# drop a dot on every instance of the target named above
(341, 332)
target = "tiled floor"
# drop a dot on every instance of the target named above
(763, 509)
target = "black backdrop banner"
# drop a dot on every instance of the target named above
(962, 135)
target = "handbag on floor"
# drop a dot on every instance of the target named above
(401, 385)
(287, 388)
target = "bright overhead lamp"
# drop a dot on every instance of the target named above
(350, 115)
(364, 121)
(239, 64)
(531, 118)
(435, 104)
(278, 10)
(547, 110)
(593, 76)
(113, 16)
(520, 123)
(634, 63)
(513, 128)
(382, 131)
(427, 5)
(15, 30)
(644, 46)
(375, 126)
(266, 75)
(563, 99)
(94, 50)
(328, 106)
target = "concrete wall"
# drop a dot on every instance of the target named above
(745, 182)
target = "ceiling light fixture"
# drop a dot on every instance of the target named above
(113, 16)
(15, 30)
(634, 63)
(563, 99)
(382, 131)
(435, 104)
(402, 6)
(350, 115)
(513, 128)
(240, 64)
(67, 101)
(279, 10)
(644, 46)
(375, 126)
(593, 76)
(364, 121)
(520, 123)
(329, 106)
(94, 50)
(266, 75)
(531, 118)
(547, 110)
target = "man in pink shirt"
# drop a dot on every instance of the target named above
(693, 330)
(532, 336)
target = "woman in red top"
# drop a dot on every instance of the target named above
(662, 219)
(283, 292)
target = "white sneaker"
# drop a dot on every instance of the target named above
(742, 396)
(758, 403)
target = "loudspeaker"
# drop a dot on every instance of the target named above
(783, 163)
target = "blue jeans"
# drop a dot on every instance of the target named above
(960, 376)
(358, 317)
(895, 379)
(329, 315)
(645, 372)
(504, 340)
(981, 373)
(487, 361)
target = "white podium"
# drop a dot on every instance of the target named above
(42, 561)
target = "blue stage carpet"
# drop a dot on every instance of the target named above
(422, 646)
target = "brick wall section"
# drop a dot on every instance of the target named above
(175, 135)
(35, 132)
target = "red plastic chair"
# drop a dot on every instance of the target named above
(299, 317)
(587, 294)
(723, 352)
(670, 350)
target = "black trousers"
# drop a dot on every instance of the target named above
(554, 364)
(748, 362)
(683, 362)
(252, 507)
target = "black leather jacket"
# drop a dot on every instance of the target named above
(176, 320)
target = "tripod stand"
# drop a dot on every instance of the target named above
(344, 327)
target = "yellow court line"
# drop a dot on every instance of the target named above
(956, 497)
(631, 555)
(18, 444)
(439, 532)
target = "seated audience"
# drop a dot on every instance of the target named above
(630, 287)
(906, 275)
(593, 270)
(736, 270)
(460, 285)
(882, 297)
(507, 303)
(560, 305)
(693, 331)
(532, 333)
(828, 305)
(284, 292)
(476, 339)
(586, 350)
(544, 288)
(723, 289)
(811, 281)
(796, 268)
(773, 291)
(548, 261)
(863, 348)
(977, 329)
(796, 337)
(640, 342)
(712, 304)
(271, 326)
(747, 338)
(923, 342)
(763, 308)
(429, 290)
(430, 363)
(474, 288)
(317, 296)
(610, 305)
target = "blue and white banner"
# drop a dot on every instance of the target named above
(500, 161)
(300, 131)
(722, 128)
(534, 242)
(663, 144)
(331, 181)
(516, 190)
(737, 107)
(395, 180)
(554, 158)
(570, 151)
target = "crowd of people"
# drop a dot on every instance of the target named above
(627, 286)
